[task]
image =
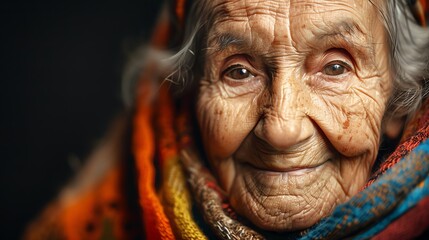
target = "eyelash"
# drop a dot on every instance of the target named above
(232, 67)
(236, 67)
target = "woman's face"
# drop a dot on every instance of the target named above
(291, 103)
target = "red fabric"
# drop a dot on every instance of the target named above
(410, 225)
(416, 131)
(422, 12)
(425, 5)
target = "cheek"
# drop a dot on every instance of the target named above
(352, 121)
(224, 123)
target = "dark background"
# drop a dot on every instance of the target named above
(60, 89)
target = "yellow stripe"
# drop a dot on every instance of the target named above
(178, 203)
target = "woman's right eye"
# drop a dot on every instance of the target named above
(238, 72)
(336, 68)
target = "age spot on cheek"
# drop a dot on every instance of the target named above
(346, 124)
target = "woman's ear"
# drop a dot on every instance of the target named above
(393, 127)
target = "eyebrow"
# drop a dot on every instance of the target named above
(345, 34)
(222, 41)
(344, 27)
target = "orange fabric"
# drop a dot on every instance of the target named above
(183, 129)
(83, 218)
(155, 221)
(425, 5)
(160, 38)
(167, 137)
(75, 216)
(180, 11)
(175, 196)
(422, 8)
(156, 224)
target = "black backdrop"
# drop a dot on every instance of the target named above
(60, 88)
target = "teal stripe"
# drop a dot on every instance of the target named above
(393, 193)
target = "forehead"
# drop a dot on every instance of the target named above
(293, 8)
(288, 21)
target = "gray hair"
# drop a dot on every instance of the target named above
(409, 49)
(409, 53)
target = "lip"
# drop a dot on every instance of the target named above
(292, 171)
(269, 182)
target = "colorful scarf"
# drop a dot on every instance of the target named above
(165, 191)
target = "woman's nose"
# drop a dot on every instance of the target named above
(284, 121)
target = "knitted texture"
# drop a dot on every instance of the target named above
(175, 195)
(156, 223)
(162, 147)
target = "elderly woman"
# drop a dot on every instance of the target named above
(281, 119)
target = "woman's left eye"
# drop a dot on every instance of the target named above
(238, 72)
(335, 69)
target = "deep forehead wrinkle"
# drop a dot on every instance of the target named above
(342, 32)
(244, 9)
(227, 12)
(345, 32)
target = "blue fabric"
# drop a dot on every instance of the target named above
(370, 211)
(411, 200)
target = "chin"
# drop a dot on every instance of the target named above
(287, 201)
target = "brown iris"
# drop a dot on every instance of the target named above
(334, 69)
(238, 72)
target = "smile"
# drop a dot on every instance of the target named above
(270, 177)
(293, 171)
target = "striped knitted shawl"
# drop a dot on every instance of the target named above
(396, 193)
(165, 191)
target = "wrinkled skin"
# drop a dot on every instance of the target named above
(291, 104)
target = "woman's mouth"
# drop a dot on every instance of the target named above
(279, 178)
(290, 170)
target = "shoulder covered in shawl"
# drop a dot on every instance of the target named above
(113, 196)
